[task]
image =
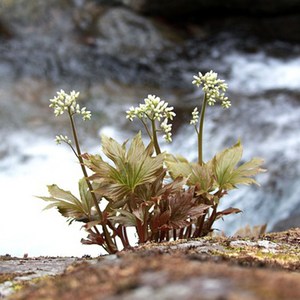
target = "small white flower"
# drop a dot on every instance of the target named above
(86, 115)
(62, 138)
(167, 128)
(195, 116)
(67, 102)
(197, 79)
(213, 87)
(153, 108)
(226, 104)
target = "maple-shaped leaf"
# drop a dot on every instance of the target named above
(228, 174)
(195, 174)
(70, 206)
(178, 166)
(131, 168)
(202, 177)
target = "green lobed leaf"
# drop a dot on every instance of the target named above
(86, 199)
(178, 166)
(112, 149)
(131, 169)
(200, 175)
(59, 193)
(228, 175)
(68, 205)
(224, 164)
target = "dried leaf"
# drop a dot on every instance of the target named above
(93, 239)
(228, 211)
(251, 232)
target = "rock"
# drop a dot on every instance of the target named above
(210, 268)
(26, 13)
(123, 31)
(5, 32)
(262, 18)
(213, 7)
(287, 223)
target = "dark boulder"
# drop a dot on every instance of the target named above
(5, 32)
(196, 7)
(287, 223)
(265, 18)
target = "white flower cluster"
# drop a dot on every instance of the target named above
(154, 109)
(67, 102)
(195, 116)
(167, 130)
(213, 88)
(62, 138)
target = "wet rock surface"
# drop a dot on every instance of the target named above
(210, 268)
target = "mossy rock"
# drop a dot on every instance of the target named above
(208, 268)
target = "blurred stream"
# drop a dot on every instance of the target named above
(127, 58)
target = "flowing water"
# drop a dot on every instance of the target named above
(265, 114)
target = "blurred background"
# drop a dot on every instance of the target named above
(116, 52)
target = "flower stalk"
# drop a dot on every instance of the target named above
(200, 131)
(214, 90)
(154, 138)
(68, 102)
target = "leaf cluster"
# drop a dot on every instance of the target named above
(162, 196)
(135, 185)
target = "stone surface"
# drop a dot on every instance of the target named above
(15, 271)
(210, 268)
(123, 31)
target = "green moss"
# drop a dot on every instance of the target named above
(284, 256)
(17, 286)
(279, 257)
